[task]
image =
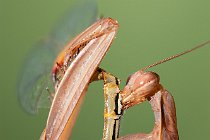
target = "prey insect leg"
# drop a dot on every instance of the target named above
(112, 107)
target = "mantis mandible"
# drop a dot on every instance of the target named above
(77, 66)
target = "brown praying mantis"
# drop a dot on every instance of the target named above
(77, 66)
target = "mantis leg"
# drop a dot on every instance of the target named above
(165, 127)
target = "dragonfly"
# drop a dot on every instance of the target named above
(35, 75)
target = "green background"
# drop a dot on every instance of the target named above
(149, 31)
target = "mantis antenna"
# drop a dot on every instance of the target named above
(175, 56)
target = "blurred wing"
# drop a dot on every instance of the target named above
(35, 75)
(73, 22)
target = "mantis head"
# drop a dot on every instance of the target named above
(139, 87)
(142, 85)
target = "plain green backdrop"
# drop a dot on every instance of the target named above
(149, 31)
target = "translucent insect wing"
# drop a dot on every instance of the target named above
(35, 75)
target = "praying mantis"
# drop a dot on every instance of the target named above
(77, 66)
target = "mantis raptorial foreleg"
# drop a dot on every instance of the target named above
(83, 55)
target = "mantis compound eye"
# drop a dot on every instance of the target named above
(139, 87)
(146, 82)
